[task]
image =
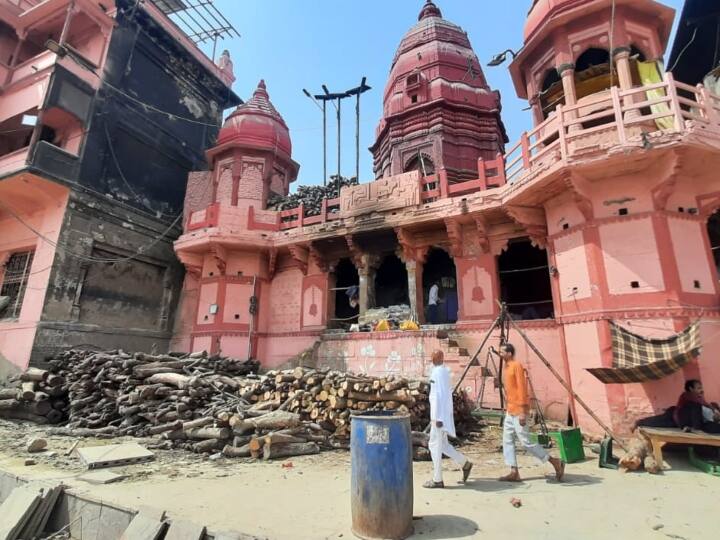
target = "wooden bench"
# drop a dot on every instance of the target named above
(659, 437)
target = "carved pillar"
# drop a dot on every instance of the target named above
(366, 273)
(415, 266)
(567, 74)
(621, 56)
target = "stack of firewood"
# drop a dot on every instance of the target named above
(310, 196)
(213, 404)
(36, 395)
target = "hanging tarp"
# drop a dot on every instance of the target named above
(651, 73)
(640, 359)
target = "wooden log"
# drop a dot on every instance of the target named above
(172, 379)
(177, 435)
(9, 393)
(282, 438)
(208, 433)
(420, 439)
(197, 423)
(276, 420)
(234, 452)
(278, 451)
(34, 374)
(27, 391)
(207, 446)
(170, 426)
(55, 381)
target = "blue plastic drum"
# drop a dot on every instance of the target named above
(382, 476)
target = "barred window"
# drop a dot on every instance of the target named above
(15, 277)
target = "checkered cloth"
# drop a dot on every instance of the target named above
(639, 359)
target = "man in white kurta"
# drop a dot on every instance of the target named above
(442, 423)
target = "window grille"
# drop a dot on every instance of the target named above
(15, 277)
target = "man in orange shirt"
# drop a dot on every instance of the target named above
(517, 404)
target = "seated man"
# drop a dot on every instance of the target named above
(694, 413)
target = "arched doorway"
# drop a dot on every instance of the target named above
(525, 280)
(440, 268)
(346, 276)
(391, 283)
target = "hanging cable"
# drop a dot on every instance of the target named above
(692, 39)
(127, 184)
(139, 252)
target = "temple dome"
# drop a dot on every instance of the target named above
(439, 53)
(256, 124)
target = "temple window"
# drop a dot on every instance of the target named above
(525, 280)
(14, 282)
(551, 92)
(440, 268)
(592, 72)
(420, 162)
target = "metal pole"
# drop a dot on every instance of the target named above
(565, 385)
(339, 107)
(324, 142)
(357, 138)
(252, 321)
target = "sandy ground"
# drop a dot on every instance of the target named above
(311, 499)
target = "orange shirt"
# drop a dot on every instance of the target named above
(516, 388)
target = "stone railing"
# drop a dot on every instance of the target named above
(609, 119)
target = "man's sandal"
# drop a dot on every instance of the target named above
(433, 485)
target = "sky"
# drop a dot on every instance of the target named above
(296, 44)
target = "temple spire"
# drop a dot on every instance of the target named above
(429, 10)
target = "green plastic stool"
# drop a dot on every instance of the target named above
(607, 460)
(570, 444)
(709, 466)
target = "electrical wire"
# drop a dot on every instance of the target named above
(139, 252)
(684, 49)
(122, 176)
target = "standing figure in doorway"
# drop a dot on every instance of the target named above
(516, 418)
(433, 299)
(442, 423)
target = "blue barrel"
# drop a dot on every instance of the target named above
(382, 476)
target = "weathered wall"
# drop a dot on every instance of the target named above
(127, 298)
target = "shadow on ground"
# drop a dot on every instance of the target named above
(442, 526)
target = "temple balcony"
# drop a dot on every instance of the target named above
(612, 123)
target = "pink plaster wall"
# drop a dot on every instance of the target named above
(285, 298)
(690, 255)
(629, 192)
(237, 302)
(208, 296)
(313, 306)
(475, 286)
(562, 210)
(583, 349)
(42, 205)
(630, 253)
(276, 350)
(573, 273)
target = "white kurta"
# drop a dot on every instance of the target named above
(441, 402)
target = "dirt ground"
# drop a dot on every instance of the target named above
(311, 498)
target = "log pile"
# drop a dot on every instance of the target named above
(37, 396)
(310, 196)
(213, 404)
